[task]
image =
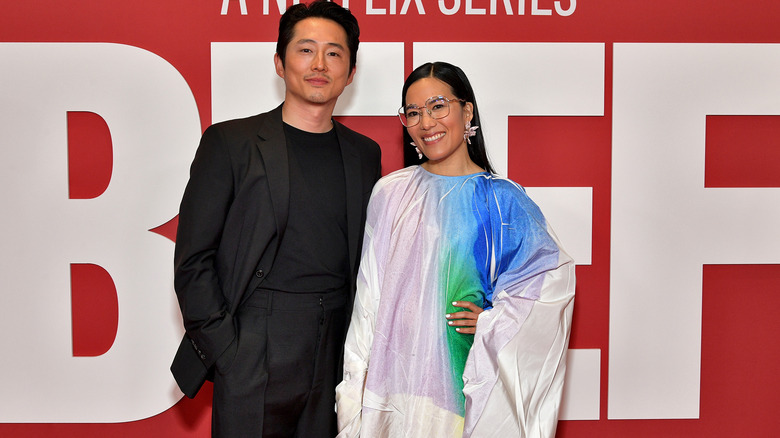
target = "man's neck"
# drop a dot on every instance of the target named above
(308, 117)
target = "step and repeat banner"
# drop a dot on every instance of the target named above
(648, 132)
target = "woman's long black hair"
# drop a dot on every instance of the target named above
(461, 88)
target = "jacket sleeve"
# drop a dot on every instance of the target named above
(204, 207)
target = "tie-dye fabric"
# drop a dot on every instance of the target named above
(431, 240)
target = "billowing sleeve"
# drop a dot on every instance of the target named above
(513, 380)
(360, 336)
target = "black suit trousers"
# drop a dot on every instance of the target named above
(278, 378)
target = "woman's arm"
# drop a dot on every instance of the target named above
(513, 380)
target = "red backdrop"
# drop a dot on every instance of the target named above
(739, 384)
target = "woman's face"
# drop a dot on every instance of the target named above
(440, 140)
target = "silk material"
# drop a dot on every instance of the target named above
(431, 240)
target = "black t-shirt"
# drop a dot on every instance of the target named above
(313, 256)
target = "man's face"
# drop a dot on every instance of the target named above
(316, 67)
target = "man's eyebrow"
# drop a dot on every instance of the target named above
(311, 41)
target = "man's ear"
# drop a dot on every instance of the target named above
(351, 75)
(279, 65)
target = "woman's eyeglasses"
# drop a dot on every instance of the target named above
(437, 107)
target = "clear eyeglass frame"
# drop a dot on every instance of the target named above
(437, 107)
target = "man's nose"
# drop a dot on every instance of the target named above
(319, 62)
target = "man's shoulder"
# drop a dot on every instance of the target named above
(355, 136)
(241, 122)
(245, 126)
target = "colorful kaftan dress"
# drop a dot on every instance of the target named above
(431, 240)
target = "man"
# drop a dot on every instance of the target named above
(267, 250)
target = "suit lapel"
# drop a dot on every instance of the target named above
(273, 149)
(354, 186)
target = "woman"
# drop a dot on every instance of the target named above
(444, 240)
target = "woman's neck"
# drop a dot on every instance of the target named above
(450, 168)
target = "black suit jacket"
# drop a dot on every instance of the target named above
(231, 219)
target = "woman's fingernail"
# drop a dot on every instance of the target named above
(447, 315)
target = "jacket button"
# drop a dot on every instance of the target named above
(259, 273)
(203, 356)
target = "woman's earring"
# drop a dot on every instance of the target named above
(416, 149)
(471, 131)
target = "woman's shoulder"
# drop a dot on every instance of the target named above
(388, 192)
(511, 194)
(506, 187)
(394, 179)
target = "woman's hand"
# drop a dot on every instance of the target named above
(465, 321)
